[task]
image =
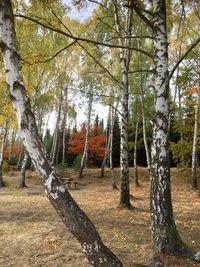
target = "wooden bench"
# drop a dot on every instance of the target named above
(69, 182)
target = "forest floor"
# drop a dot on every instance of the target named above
(31, 233)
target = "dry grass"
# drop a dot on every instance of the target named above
(31, 234)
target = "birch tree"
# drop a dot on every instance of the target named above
(22, 179)
(3, 146)
(72, 216)
(195, 140)
(165, 235)
(89, 113)
(125, 57)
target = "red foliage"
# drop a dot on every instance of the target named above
(96, 149)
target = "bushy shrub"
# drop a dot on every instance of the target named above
(181, 153)
(77, 162)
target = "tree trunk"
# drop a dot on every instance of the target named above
(147, 150)
(112, 120)
(85, 152)
(125, 57)
(72, 216)
(164, 232)
(135, 153)
(12, 145)
(3, 146)
(195, 140)
(56, 133)
(64, 123)
(22, 178)
(107, 149)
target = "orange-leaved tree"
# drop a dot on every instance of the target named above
(96, 144)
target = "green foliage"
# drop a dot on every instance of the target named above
(62, 166)
(77, 162)
(5, 166)
(181, 152)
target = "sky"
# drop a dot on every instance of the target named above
(99, 109)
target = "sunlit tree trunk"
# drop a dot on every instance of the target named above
(164, 232)
(12, 143)
(195, 140)
(147, 150)
(64, 123)
(107, 148)
(125, 57)
(112, 120)
(135, 153)
(72, 216)
(22, 179)
(56, 133)
(85, 152)
(3, 146)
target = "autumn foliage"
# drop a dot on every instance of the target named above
(97, 142)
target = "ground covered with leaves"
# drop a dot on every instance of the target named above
(31, 233)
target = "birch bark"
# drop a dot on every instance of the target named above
(3, 146)
(107, 149)
(85, 152)
(22, 179)
(147, 150)
(164, 233)
(72, 216)
(135, 153)
(125, 57)
(195, 140)
(56, 133)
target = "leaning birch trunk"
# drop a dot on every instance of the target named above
(125, 57)
(55, 139)
(195, 140)
(85, 152)
(22, 179)
(135, 153)
(107, 145)
(3, 146)
(72, 216)
(164, 233)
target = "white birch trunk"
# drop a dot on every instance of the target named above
(107, 149)
(55, 138)
(195, 140)
(147, 150)
(135, 153)
(85, 152)
(22, 179)
(12, 143)
(164, 232)
(72, 216)
(125, 57)
(3, 147)
(112, 121)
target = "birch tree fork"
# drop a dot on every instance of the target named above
(164, 232)
(72, 216)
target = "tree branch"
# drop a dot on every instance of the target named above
(182, 58)
(51, 58)
(76, 38)
(141, 15)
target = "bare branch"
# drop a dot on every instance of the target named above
(51, 58)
